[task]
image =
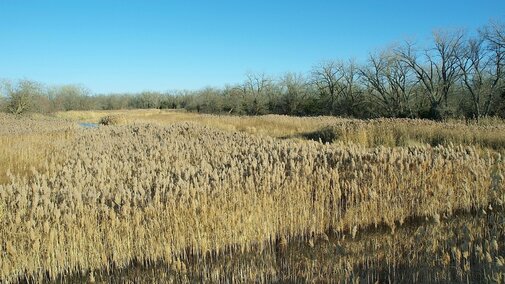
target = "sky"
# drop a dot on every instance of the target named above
(132, 46)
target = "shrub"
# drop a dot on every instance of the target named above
(112, 120)
(325, 135)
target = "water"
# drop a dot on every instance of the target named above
(88, 125)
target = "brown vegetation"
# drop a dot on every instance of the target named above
(112, 120)
(152, 193)
(456, 250)
(407, 132)
(487, 133)
(28, 142)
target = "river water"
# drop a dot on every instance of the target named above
(88, 125)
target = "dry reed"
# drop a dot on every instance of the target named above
(148, 193)
(27, 143)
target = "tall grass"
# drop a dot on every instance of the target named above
(27, 143)
(457, 250)
(408, 132)
(267, 125)
(150, 193)
(487, 133)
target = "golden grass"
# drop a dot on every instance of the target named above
(270, 125)
(458, 250)
(171, 186)
(488, 133)
(407, 132)
(28, 143)
(116, 119)
(151, 193)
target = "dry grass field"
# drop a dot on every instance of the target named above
(191, 198)
(27, 144)
(488, 133)
(270, 125)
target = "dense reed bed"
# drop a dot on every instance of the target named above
(33, 124)
(146, 193)
(466, 248)
(487, 133)
(406, 132)
(267, 125)
(26, 143)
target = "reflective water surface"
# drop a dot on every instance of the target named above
(88, 125)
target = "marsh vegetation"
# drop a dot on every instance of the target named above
(183, 197)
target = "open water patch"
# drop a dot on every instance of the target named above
(88, 125)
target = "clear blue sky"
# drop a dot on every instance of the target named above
(129, 46)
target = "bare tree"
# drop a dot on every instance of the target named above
(481, 66)
(294, 90)
(234, 96)
(21, 96)
(328, 77)
(70, 97)
(350, 88)
(437, 69)
(391, 82)
(257, 83)
(494, 33)
(257, 90)
(4, 91)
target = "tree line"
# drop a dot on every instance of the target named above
(457, 75)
